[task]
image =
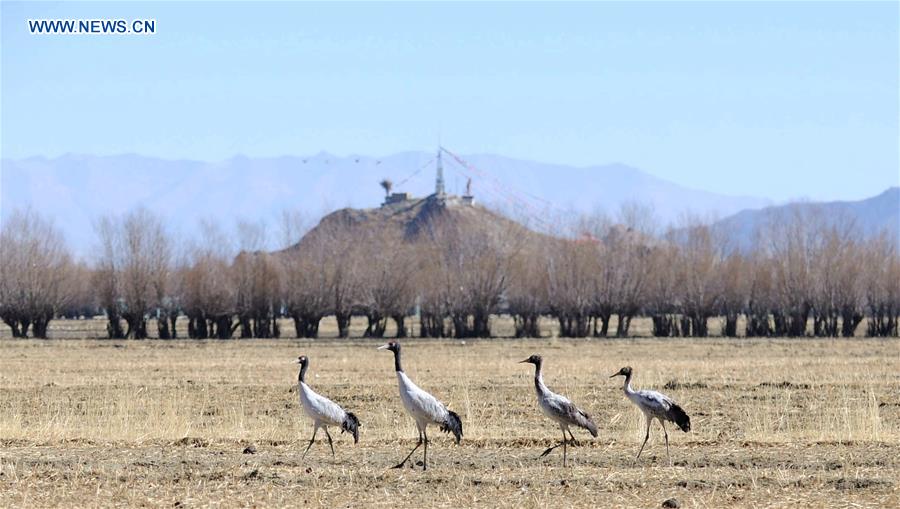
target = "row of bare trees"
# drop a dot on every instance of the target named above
(804, 275)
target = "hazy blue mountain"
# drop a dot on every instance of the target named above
(871, 216)
(77, 189)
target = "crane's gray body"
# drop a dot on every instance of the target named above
(654, 405)
(559, 408)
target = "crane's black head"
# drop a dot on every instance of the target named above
(391, 345)
(394, 347)
(302, 360)
(626, 371)
(534, 359)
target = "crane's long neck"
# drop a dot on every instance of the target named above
(627, 385)
(539, 380)
(397, 365)
(301, 378)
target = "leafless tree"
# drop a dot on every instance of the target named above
(882, 285)
(570, 264)
(35, 273)
(837, 302)
(133, 268)
(526, 291)
(735, 273)
(207, 292)
(627, 249)
(82, 301)
(661, 301)
(386, 288)
(304, 287)
(327, 272)
(793, 245)
(698, 282)
(434, 298)
(256, 280)
(473, 266)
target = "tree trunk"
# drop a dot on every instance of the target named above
(375, 325)
(41, 324)
(685, 326)
(729, 330)
(246, 327)
(400, 320)
(527, 325)
(481, 324)
(162, 327)
(623, 325)
(114, 326)
(306, 326)
(343, 323)
(758, 325)
(13, 324)
(603, 317)
(699, 324)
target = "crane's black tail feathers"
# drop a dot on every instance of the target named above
(351, 425)
(453, 425)
(680, 418)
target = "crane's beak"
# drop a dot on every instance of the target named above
(383, 347)
(617, 374)
(526, 360)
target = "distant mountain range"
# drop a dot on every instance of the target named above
(77, 189)
(871, 216)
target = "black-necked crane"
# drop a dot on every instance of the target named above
(654, 405)
(559, 408)
(424, 408)
(323, 411)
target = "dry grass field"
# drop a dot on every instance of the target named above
(775, 423)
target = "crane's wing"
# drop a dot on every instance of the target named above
(328, 409)
(430, 406)
(665, 407)
(565, 408)
(423, 404)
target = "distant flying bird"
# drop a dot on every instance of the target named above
(654, 405)
(559, 408)
(423, 407)
(323, 411)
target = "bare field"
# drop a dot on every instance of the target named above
(165, 423)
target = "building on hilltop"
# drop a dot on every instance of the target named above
(440, 196)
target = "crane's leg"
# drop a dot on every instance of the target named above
(425, 458)
(546, 452)
(646, 437)
(666, 433)
(564, 446)
(327, 434)
(400, 465)
(311, 440)
(574, 442)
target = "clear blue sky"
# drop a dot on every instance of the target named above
(772, 99)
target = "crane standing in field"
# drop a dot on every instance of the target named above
(559, 408)
(323, 411)
(654, 405)
(423, 407)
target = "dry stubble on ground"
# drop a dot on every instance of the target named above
(775, 423)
